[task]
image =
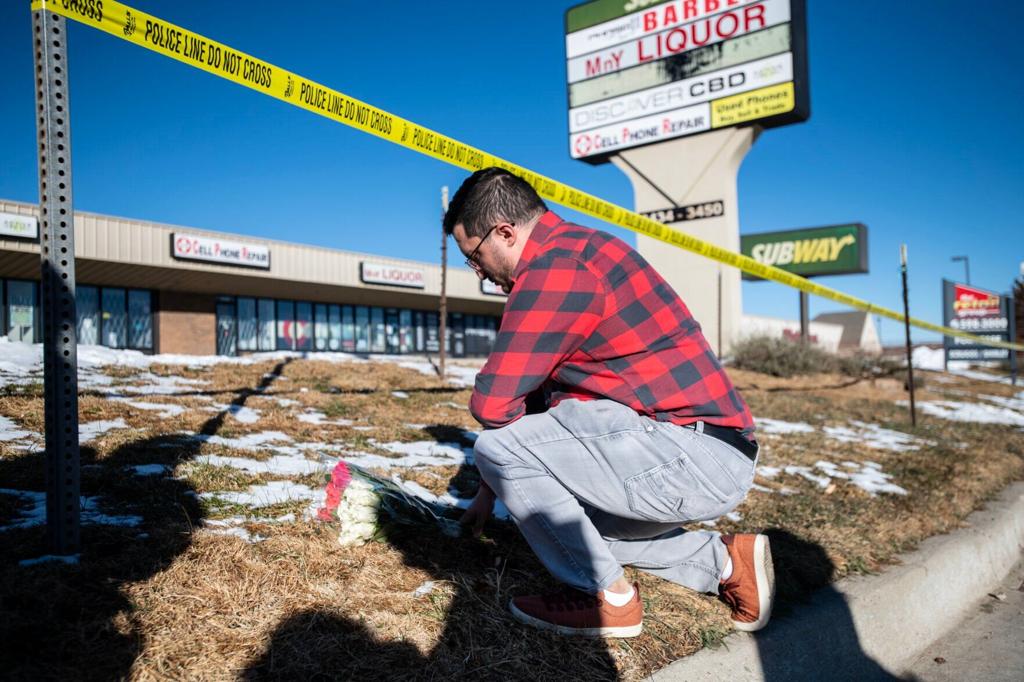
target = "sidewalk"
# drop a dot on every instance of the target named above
(869, 628)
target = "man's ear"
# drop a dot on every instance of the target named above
(507, 233)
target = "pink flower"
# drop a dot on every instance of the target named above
(340, 479)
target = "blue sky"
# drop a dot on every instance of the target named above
(915, 131)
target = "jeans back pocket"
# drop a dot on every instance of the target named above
(675, 491)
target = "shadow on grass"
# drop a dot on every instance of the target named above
(75, 622)
(804, 643)
(479, 640)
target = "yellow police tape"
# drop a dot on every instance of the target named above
(195, 50)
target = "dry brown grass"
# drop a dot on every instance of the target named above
(169, 601)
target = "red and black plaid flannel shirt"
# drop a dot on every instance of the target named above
(589, 318)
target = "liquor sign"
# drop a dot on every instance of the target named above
(391, 275)
(810, 252)
(977, 311)
(13, 225)
(641, 72)
(212, 250)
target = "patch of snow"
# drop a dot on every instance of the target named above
(9, 431)
(874, 436)
(149, 469)
(454, 405)
(400, 394)
(424, 589)
(234, 527)
(924, 357)
(278, 465)
(250, 441)
(92, 430)
(287, 402)
(245, 415)
(70, 559)
(982, 413)
(805, 472)
(776, 426)
(167, 410)
(869, 478)
(35, 515)
(733, 516)
(320, 419)
(419, 453)
(266, 494)
(767, 471)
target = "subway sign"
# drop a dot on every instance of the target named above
(977, 311)
(641, 71)
(810, 252)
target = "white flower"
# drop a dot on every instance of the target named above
(356, 533)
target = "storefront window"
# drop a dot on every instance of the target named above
(21, 311)
(321, 331)
(378, 342)
(248, 325)
(348, 329)
(285, 325)
(458, 335)
(405, 340)
(266, 324)
(420, 333)
(304, 326)
(362, 329)
(433, 344)
(334, 321)
(88, 310)
(391, 330)
(115, 322)
(140, 320)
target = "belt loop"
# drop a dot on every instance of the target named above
(699, 427)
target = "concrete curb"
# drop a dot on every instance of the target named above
(874, 627)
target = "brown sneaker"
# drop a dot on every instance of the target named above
(750, 590)
(571, 612)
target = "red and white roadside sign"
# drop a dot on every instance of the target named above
(186, 246)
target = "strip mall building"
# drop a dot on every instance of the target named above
(167, 289)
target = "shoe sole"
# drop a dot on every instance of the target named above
(764, 571)
(620, 631)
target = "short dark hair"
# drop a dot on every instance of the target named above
(490, 196)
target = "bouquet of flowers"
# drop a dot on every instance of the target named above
(358, 499)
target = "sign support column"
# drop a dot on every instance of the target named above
(694, 171)
(57, 256)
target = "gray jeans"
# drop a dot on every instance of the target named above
(594, 486)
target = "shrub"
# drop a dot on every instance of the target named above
(782, 357)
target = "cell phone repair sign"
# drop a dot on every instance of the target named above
(642, 72)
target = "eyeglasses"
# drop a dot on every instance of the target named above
(471, 258)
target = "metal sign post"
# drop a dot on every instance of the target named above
(57, 255)
(805, 319)
(443, 330)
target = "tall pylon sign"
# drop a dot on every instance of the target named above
(674, 94)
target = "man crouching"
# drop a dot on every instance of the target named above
(643, 429)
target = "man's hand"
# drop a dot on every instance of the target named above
(479, 509)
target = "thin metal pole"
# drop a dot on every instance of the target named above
(1011, 318)
(444, 279)
(57, 260)
(805, 323)
(719, 311)
(906, 321)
